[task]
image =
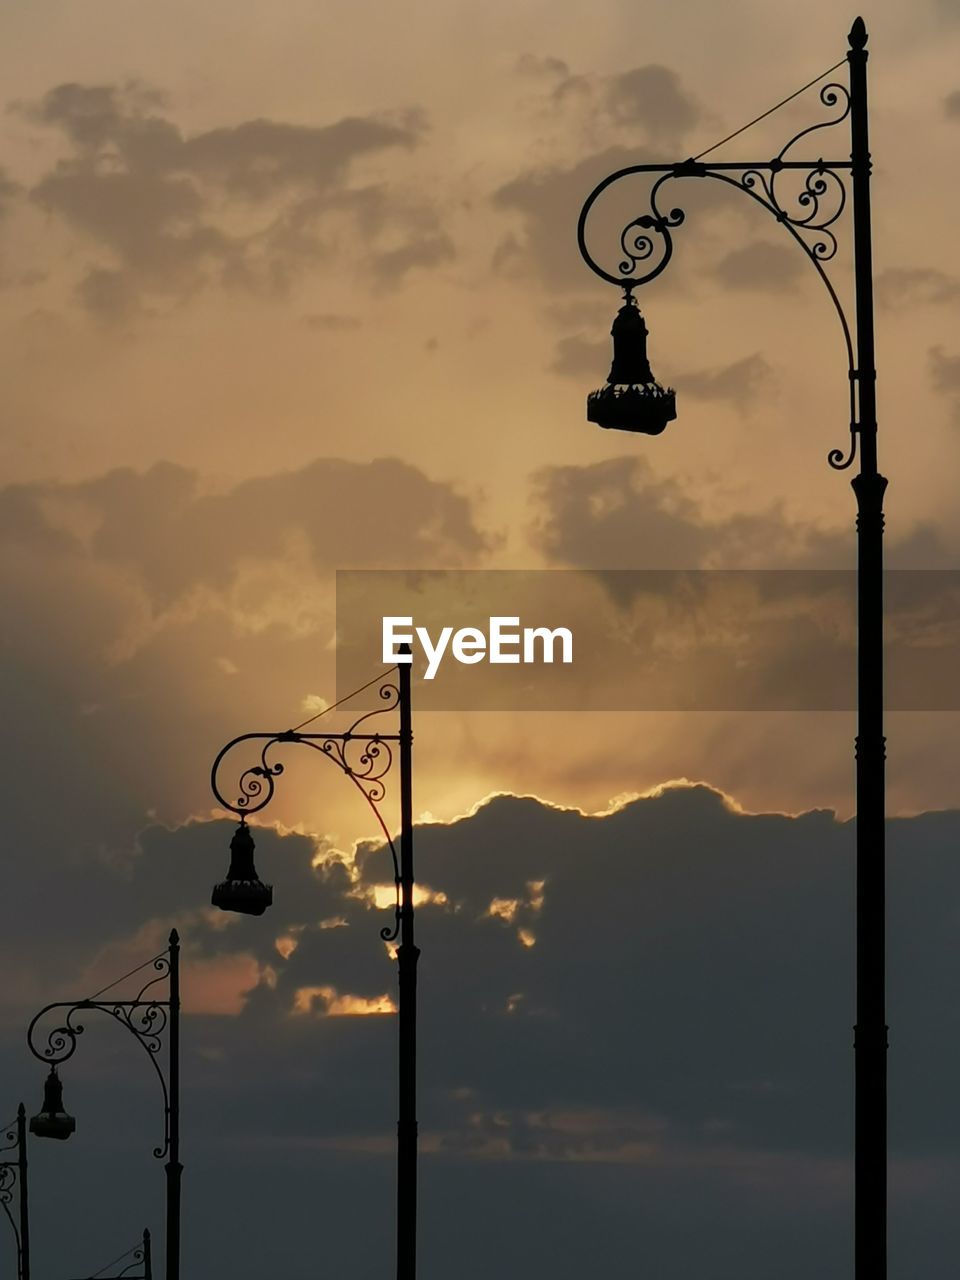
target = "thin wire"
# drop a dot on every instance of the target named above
(108, 1265)
(346, 698)
(730, 136)
(117, 981)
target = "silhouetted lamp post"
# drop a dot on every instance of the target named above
(13, 1178)
(365, 758)
(151, 1021)
(808, 205)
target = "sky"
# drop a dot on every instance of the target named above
(289, 289)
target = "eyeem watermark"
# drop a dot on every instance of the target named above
(503, 642)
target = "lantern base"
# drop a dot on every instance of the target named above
(247, 897)
(645, 408)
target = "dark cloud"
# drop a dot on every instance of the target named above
(739, 384)
(945, 371)
(571, 974)
(142, 610)
(769, 268)
(8, 190)
(652, 98)
(548, 203)
(649, 99)
(951, 104)
(110, 296)
(159, 526)
(617, 514)
(905, 286)
(427, 250)
(548, 200)
(580, 357)
(155, 198)
(640, 113)
(532, 64)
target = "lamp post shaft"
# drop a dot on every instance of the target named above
(173, 1167)
(870, 1041)
(24, 1271)
(407, 956)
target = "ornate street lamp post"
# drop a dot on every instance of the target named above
(13, 1177)
(150, 1021)
(365, 758)
(633, 401)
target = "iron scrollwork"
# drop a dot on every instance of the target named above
(137, 1257)
(807, 197)
(10, 1180)
(145, 1016)
(365, 758)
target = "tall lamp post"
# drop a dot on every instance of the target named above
(151, 1021)
(365, 758)
(13, 1177)
(632, 400)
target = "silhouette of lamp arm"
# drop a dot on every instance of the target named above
(807, 197)
(365, 756)
(125, 1267)
(153, 1021)
(13, 1182)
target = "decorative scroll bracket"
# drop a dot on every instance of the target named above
(808, 210)
(365, 758)
(145, 1016)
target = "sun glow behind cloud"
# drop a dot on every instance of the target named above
(326, 1000)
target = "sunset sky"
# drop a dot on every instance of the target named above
(290, 288)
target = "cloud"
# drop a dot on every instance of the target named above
(579, 357)
(427, 250)
(951, 105)
(532, 64)
(159, 526)
(144, 611)
(945, 371)
(617, 514)
(8, 190)
(675, 921)
(739, 384)
(548, 202)
(243, 205)
(906, 286)
(652, 98)
(769, 268)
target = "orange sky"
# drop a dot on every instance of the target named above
(237, 245)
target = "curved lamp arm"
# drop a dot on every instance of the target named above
(146, 1017)
(808, 209)
(363, 757)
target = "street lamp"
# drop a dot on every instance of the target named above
(633, 401)
(366, 759)
(51, 1121)
(150, 1020)
(13, 1178)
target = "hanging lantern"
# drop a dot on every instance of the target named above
(51, 1121)
(243, 890)
(632, 400)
